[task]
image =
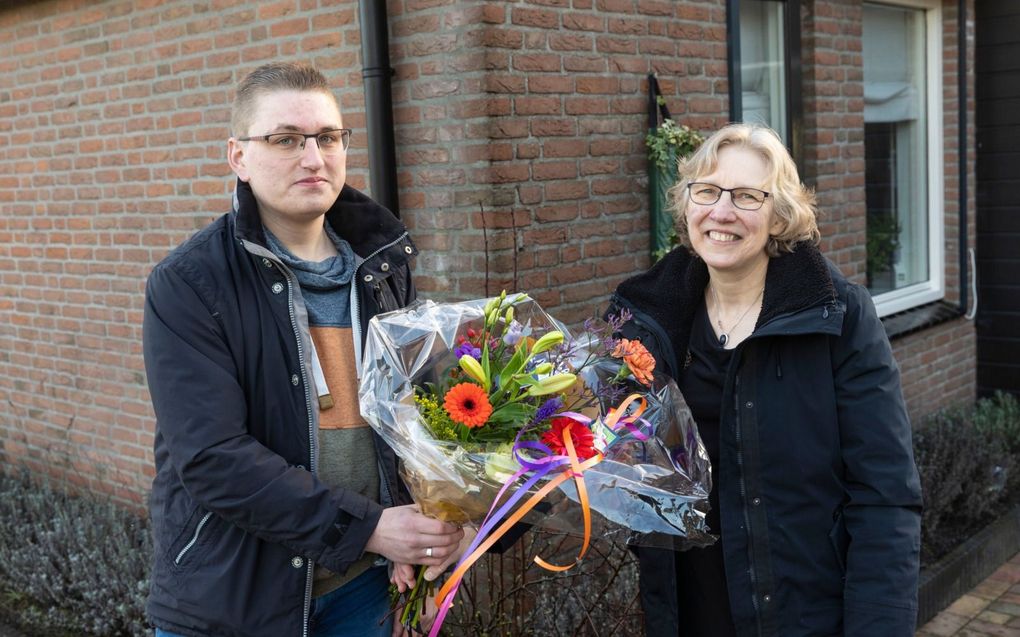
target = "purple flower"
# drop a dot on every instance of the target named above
(467, 349)
(547, 410)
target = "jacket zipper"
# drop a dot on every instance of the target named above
(312, 442)
(194, 538)
(356, 304)
(743, 500)
(258, 250)
(356, 333)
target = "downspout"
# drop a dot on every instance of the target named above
(733, 60)
(961, 72)
(376, 73)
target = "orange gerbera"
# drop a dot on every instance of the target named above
(468, 404)
(637, 358)
(580, 436)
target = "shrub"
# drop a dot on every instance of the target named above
(508, 595)
(72, 565)
(963, 456)
(999, 417)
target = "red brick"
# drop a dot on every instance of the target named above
(539, 18)
(554, 170)
(535, 62)
(549, 84)
(578, 21)
(536, 105)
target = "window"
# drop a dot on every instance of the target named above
(903, 153)
(764, 66)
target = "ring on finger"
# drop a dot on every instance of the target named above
(428, 552)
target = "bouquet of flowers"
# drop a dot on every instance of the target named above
(493, 407)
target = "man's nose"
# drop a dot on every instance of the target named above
(316, 153)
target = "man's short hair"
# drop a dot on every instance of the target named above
(278, 76)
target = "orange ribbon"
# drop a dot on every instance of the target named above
(617, 413)
(576, 471)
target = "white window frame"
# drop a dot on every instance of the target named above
(934, 288)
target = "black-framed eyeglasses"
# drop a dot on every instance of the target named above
(329, 142)
(707, 194)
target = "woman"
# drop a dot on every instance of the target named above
(792, 382)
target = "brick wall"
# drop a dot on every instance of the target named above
(531, 116)
(519, 126)
(940, 364)
(833, 90)
(113, 121)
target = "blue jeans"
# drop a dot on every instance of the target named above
(353, 610)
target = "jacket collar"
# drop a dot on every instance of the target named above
(359, 220)
(669, 293)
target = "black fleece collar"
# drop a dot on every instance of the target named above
(359, 220)
(669, 293)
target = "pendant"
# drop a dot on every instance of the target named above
(723, 339)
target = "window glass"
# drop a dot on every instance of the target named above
(763, 64)
(896, 148)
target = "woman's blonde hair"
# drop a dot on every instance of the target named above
(793, 203)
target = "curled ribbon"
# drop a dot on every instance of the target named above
(484, 540)
(570, 466)
(618, 416)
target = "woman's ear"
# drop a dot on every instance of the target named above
(236, 158)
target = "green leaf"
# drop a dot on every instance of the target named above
(518, 413)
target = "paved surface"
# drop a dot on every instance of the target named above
(991, 609)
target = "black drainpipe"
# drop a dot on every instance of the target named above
(733, 59)
(376, 72)
(961, 71)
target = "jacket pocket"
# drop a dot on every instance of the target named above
(187, 543)
(840, 539)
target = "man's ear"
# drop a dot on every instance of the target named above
(236, 159)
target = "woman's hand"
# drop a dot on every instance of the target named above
(402, 577)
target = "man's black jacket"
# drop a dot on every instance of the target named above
(239, 516)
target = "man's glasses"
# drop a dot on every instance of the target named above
(743, 198)
(289, 145)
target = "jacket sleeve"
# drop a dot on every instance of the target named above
(202, 432)
(882, 514)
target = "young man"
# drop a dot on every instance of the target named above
(274, 506)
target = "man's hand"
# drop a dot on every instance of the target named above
(406, 536)
(432, 572)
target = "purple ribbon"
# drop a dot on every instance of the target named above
(541, 467)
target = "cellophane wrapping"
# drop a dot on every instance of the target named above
(650, 492)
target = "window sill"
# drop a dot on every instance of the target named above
(918, 318)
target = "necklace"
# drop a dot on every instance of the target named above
(724, 334)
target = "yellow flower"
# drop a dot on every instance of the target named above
(552, 384)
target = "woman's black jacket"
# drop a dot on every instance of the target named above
(819, 495)
(239, 516)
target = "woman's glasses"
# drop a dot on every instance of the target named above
(744, 198)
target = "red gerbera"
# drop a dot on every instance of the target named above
(468, 404)
(581, 437)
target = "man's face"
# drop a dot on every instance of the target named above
(297, 189)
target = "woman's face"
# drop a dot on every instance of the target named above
(727, 238)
